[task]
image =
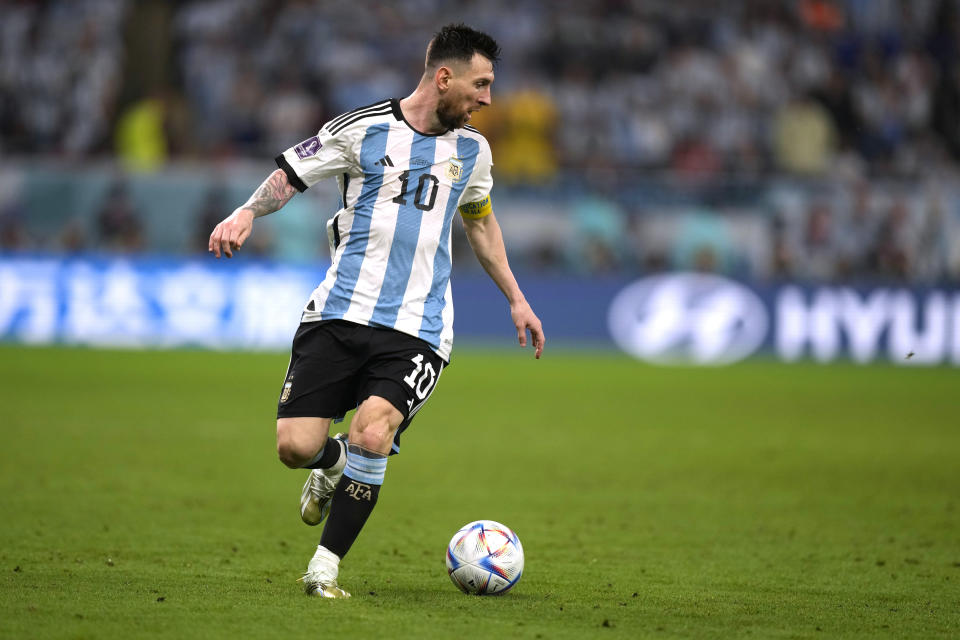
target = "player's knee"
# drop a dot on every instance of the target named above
(374, 436)
(289, 450)
(370, 440)
(375, 424)
(289, 455)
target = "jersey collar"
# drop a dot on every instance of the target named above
(398, 114)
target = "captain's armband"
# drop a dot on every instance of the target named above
(477, 210)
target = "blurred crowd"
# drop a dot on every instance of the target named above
(607, 105)
(61, 70)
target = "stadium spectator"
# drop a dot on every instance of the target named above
(118, 224)
(818, 257)
(523, 134)
(597, 243)
(895, 243)
(141, 138)
(857, 232)
(13, 233)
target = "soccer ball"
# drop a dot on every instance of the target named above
(485, 558)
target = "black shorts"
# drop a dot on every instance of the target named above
(335, 365)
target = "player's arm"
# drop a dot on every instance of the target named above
(299, 168)
(232, 232)
(485, 237)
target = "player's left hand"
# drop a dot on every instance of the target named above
(524, 319)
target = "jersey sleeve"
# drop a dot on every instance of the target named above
(475, 199)
(316, 158)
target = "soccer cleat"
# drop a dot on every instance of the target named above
(321, 577)
(318, 489)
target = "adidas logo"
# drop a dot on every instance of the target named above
(385, 161)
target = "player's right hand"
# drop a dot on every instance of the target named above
(231, 233)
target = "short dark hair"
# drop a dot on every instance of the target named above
(460, 42)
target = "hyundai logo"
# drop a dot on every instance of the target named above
(688, 318)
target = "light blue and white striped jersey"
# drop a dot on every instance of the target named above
(390, 241)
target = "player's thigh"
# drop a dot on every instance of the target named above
(403, 371)
(323, 376)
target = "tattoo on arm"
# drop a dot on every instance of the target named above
(270, 196)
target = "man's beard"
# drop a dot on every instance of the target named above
(448, 115)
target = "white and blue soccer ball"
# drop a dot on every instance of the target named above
(485, 558)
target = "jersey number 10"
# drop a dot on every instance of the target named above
(419, 195)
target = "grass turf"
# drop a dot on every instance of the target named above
(141, 496)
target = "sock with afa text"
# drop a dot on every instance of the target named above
(354, 498)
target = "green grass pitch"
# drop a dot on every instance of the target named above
(141, 497)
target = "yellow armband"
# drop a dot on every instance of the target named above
(477, 210)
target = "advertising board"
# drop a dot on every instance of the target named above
(672, 318)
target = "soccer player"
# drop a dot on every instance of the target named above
(378, 331)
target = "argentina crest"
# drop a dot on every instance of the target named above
(455, 169)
